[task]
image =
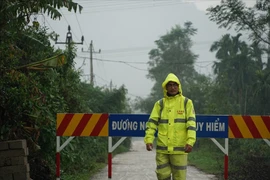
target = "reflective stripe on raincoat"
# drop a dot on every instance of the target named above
(176, 127)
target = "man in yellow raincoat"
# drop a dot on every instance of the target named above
(174, 118)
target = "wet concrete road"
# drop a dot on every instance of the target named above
(139, 164)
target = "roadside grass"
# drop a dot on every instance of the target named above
(84, 174)
(208, 160)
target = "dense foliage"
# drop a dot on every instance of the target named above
(39, 81)
(242, 66)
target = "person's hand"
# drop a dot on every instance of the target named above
(149, 147)
(188, 148)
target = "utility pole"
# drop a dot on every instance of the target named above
(91, 50)
(69, 38)
(69, 41)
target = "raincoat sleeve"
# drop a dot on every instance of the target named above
(191, 123)
(152, 124)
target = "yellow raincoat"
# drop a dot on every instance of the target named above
(176, 124)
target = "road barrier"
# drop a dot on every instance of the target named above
(133, 125)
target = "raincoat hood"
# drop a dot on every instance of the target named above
(171, 77)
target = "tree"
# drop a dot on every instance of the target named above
(15, 14)
(261, 96)
(173, 54)
(255, 21)
(32, 92)
(243, 78)
(235, 14)
(16, 34)
(236, 69)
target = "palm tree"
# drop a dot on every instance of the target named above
(262, 92)
(233, 68)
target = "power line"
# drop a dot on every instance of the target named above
(79, 26)
(78, 23)
(102, 78)
(132, 7)
(144, 50)
(113, 61)
(140, 62)
(101, 6)
(127, 63)
(201, 66)
(116, 61)
(153, 3)
(68, 23)
(47, 22)
(64, 17)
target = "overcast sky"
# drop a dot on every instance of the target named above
(125, 32)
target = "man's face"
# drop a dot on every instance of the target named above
(172, 88)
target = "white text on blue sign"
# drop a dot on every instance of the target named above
(127, 125)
